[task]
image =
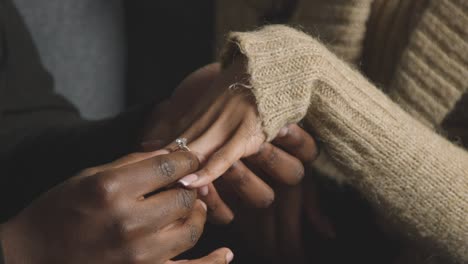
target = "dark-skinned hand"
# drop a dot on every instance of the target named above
(121, 212)
(276, 233)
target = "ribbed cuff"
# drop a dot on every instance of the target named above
(431, 76)
(276, 56)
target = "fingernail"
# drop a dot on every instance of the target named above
(229, 257)
(189, 179)
(283, 132)
(203, 204)
(203, 190)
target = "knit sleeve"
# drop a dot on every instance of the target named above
(412, 175)
(431, 76)
(341, 24)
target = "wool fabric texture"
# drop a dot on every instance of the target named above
(385, 143)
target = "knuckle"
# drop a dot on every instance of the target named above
(134, 255)
(241, 178)
(310, 156)
(296, 141)
(299, 173)
(214, 205)
(103, 189)
(220, 156)
(239, 175)
(272, 157)
(208, 171)
(192, 161)
(312, 153)
(226, 218)
(165, 167)
(267, 155)
(123, 229)
(188, 161)
(193, 233)
(186, 198)
(267, 200)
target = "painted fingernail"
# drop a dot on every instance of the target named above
(283, 132)
(229, 257)
(189, 179)
(203, 204)
(203, 190)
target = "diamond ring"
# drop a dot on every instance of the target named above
(182, 144)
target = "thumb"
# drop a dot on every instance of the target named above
(222, 255)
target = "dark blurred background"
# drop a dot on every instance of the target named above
(166, 41)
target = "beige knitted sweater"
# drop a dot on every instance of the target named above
(385, 143)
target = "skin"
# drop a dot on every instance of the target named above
(179, 114)
(218, 117)
(275, 232)
(121, 212)
(257, 176)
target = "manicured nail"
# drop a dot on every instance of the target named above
(229, 257)
(283, 132)
(203, 204)
(203, 190)
(189, 179)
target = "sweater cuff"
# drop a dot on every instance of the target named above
(276, 57)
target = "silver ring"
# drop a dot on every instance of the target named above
(182, 144)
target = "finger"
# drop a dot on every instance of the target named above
(249, 187)
(143, 177)
(289, 217)
(182, 236)
(297, 142)
(218, 211)
(219, 256)
(262, 223)
(162, 209)
(125, 160)
(179, 114)
(245, 142)
(216, 135)
(199, 127)
(196, 82)
(278, 164)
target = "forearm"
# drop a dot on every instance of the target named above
(325, 19)
(411, 175)
(438, 51)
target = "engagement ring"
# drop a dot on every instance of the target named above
(182, 144)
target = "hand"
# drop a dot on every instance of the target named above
(121, 212)
(220, 256)
(220, 122)
(179, 113)
(170, 119)
(276, 232)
